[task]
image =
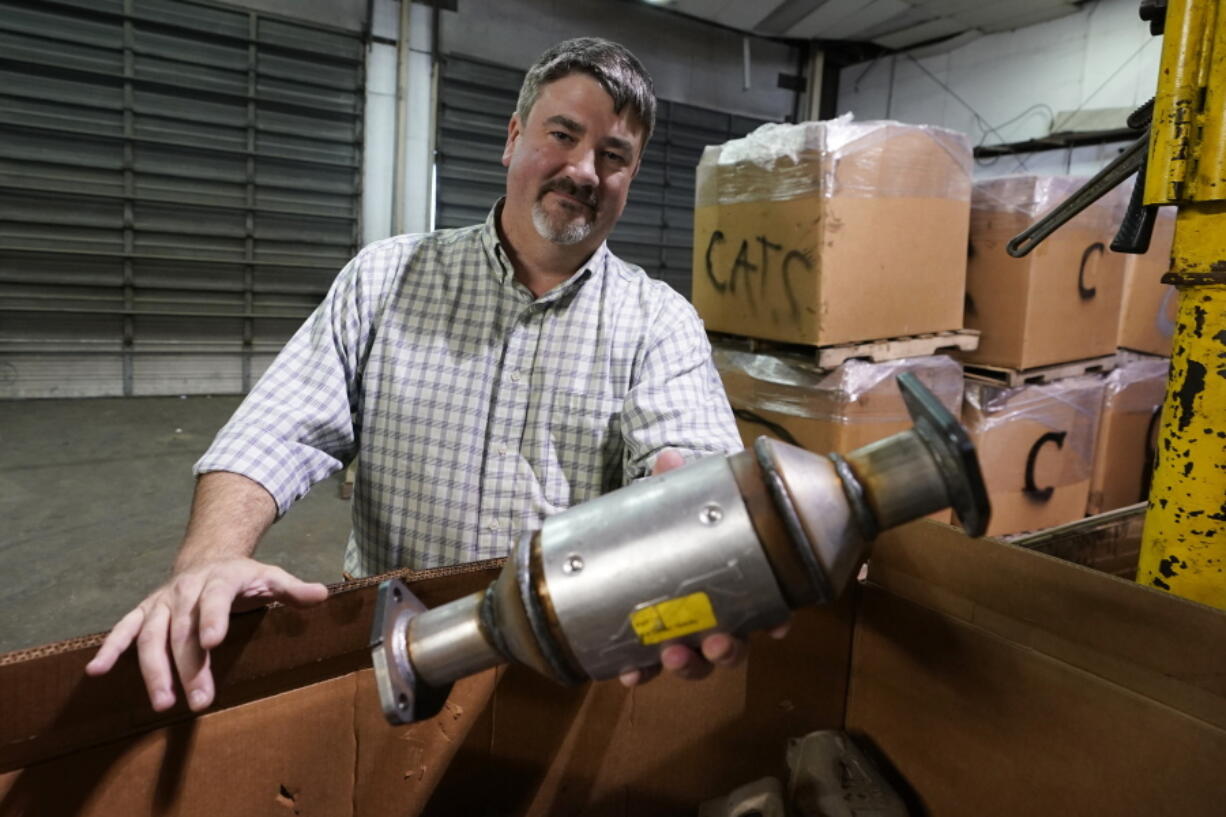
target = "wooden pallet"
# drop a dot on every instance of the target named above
(878, 351)
(1012, 378)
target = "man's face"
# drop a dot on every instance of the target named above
(570, 165)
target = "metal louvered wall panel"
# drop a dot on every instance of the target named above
(179, 184)
(656, 230)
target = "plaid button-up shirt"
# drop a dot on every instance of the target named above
(474, 408)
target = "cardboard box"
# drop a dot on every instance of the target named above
(296, 729)
(786, 397)
(832, 232)
(991, 679)
(1062, 301)
(1127, 436)
(1147, 316)
(1036, 449)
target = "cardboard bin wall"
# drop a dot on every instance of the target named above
(991, 679)
(296, 729)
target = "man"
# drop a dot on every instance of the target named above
(485, 377)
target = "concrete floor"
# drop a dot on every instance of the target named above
(94, 495)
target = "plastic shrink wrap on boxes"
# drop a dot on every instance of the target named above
(1124, 454)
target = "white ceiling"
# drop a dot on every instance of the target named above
(894, 24)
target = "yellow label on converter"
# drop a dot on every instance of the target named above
(673, 618)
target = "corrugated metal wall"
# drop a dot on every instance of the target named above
(656, 231)
(179, 184)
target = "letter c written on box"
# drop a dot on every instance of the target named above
(1085, 292)
(1033, 490)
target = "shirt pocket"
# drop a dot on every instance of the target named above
(585, 441)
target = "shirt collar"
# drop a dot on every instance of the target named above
(503, 271)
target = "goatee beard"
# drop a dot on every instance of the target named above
(569, 233)
(572, 230)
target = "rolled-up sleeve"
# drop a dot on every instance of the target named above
(296, 426)
(677, 399)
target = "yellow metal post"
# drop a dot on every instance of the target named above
(1183, 548)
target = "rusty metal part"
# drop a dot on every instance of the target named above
(831, 775)
(902, 462)
(515, 610)
(803, 542)
(781, 553)
(564, 655)
(1194, 279)
(1183, 547)
(527, 561)
(866, 519)
(1185, 152)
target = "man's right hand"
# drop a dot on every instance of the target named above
(188, 616)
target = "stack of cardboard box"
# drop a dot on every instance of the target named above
(1126, 452)
(829, 233)
(1127, 446)
(1041, 402)
(1147, 314)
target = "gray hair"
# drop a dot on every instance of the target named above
(617, 70)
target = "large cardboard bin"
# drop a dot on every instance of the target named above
(1147, 316)
(1062, 301)
(1127, 435)
(832, 232)
(993, 680)
(1036, 449)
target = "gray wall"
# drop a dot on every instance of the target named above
(347, 14)
(1007, 87)
(690, 61)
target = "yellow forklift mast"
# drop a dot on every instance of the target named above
(1180, 160)
(1183, 548)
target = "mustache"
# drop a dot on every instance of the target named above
(584, 193)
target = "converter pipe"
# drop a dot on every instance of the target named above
(727, 544)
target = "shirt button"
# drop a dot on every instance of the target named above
(514, 377)
(493, 526)
(502, 449)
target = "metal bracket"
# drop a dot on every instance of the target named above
(953, 452)
(402, 695)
